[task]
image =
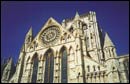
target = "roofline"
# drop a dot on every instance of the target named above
(82, 15)
(125, 55)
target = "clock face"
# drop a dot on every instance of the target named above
(50, 35)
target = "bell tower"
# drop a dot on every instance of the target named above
(93, 37)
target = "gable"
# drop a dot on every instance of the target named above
(52, 33)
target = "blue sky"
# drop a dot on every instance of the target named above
(18, 16)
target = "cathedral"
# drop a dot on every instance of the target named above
(74, 51)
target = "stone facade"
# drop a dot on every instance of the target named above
(75, 51)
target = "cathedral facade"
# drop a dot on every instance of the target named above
(75, 51)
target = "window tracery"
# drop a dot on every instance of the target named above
(49, 67)
(35, 69)
(64, 65)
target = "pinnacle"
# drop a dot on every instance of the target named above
(77, 16)
(107, 41)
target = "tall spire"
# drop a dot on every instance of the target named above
(107, 41)
(29, 36)
(76, 16)
(30, 31)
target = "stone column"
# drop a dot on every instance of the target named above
(56, 68)
(90, 78)
(97, 78)
(30, 73)
(79, 58)
(105, 78)
(43, 70)
(101, 78)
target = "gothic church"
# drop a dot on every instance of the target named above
(75, 51)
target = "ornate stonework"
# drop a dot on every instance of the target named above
(75, 51)
(50, 35)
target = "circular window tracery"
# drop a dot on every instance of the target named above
(50, 35)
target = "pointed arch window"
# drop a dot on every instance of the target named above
(35, 69)
(49, 67)
(64, 65)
